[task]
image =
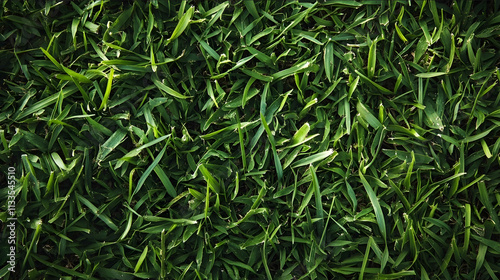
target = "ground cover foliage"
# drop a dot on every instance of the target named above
(255, 140)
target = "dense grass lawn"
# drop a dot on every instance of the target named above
(249, 139)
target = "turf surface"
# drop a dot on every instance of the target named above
(251, 140)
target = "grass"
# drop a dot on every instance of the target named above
(256, 140)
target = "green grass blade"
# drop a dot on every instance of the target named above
(372, 59)
(97, 212)
(296, 69)
(181, 25)
(301, 134)
(137, 150)
(313, 158)
(368, 116)
(211, 181)
(112, 142)
(277, 162)
(379, 215)
(167, 89)
(483, 193)
(141, 259)
(146, 173)
(166, 181)
(104, 102)
(318, 200)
